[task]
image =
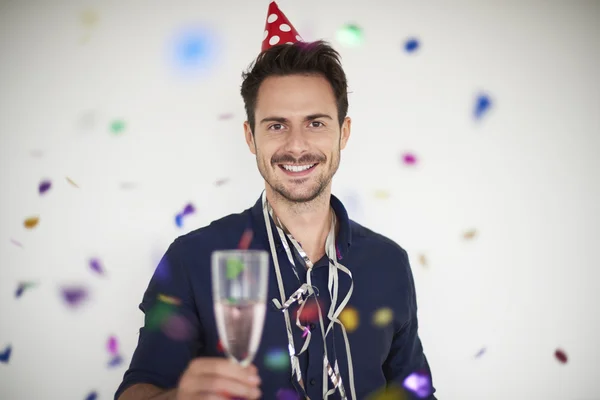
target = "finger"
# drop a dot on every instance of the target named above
(224, 368)
(213, 384)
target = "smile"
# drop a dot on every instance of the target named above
(297, 170)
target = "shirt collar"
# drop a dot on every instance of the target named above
(344, 236)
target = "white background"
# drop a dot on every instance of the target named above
(526, 176)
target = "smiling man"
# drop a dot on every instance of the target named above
(296, 102)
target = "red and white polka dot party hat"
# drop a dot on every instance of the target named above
(278, 29)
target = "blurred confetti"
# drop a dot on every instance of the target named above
(349, 318)
(409, 159)
(383, 317)
(470, 234)
(480, 352)
(92, 396)
(22, 287)
(423, 260)
(89, 18)
(561, 356)
(187, 210)
(179, 220)
(225, 116)
(220, 347)
(305, 333)
(310, 311)
(72, 183)
(391, 392)
(350, 35)
(194, 49)
(418, 383)
(246, 239)
(411, 45)
(482, 105)
(5, 354)
(221, 182)
(158, 315)
(112, 345)
(16, 243)
(115, 361)
(177, 327)
(96, 266)
(44, 186)
(31, 222)
(74, 295)
(117, 126)
(287, 394)
(277, 359)
(382, 194)
(235, 266)
(169, 299)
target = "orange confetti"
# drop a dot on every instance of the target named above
(31, 222)
(470, 234)
(423, 260)
(349, 318)
(169, 299)
(246, 239)
(383, 317)
(72, 183)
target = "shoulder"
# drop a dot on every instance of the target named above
(378, 243)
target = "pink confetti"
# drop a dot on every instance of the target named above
(246, 239)
(419, 383)
(305, 333)
(177, 327)
(112, 345)
(561, 356)
(409, 159)
(225, 116)
(16, 243)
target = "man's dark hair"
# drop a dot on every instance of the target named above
(317, 58)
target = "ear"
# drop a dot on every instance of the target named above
(249, 138)
(345, 132)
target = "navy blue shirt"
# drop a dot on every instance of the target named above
(382, 278)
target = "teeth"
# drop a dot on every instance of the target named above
(297, 168)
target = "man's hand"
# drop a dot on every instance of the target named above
(218, 379)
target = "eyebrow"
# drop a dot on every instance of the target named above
(283, 120)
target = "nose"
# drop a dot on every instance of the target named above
(296, 142)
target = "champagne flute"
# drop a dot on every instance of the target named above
(239, 279)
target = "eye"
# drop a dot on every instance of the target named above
(316, 124)
(276, 127)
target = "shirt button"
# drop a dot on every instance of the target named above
(313, 382)
(312, 327)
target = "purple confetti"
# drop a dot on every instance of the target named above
(189, 209)
(5, 355)
(96, 266)
(411, 45)
(287, 394)
(225, 116)
(482, 105)
(74, 296)
(409, 159)
(16, 243)
(480, 353)
(115, 361)
(21, 288)
(44, 186)
(177, 327)
(92, 396)
(419, 383)
(112, 345)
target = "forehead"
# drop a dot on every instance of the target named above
(295, 94)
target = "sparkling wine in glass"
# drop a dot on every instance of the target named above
(240, 279)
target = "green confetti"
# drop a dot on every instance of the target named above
(117, 126)
(158, 315)
(350, 35)
(234, 267)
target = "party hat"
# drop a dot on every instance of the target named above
(278, 29)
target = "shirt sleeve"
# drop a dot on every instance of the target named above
(170, 337)
(406, 353)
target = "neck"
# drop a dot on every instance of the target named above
(308, 222)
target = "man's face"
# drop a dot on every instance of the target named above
(297, 138)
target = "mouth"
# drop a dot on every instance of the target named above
(297, 170)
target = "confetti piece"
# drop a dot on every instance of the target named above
(349, 318)
(96, 266)
(5, 354)
(419, 383)
(16, 243)
(411, 45)
(470, 234)
(89, 18)
(117, 126)
(112, 345)
(221, 182)
(31, 222)
(350, 35)
(234, 267)
(115, 361)
(480, 352)
(382, 194)
(423, 260)
(310, 312)
(561, 356)
(74, 296)
(179, 220)
(409, 159)
(246, 239)
(305, 333)
(220, 347)
(92, 396)
(72, 183)
(194, 49)
(482, 105)
(177, 327)
(22, 287)
(44, 186)
(392, 392)
(225, 116)
(169, 299)
(189, 209)
(158, 315)
(287, 394)
(277, 359)
(383, 317)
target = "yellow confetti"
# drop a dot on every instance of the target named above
(89, 18)
(392, 392)
(31, 222)
(382, 194)
(470, 234)
(72, 183)
(169, 299)
(349, 318)
(383, 317)
(423, 260)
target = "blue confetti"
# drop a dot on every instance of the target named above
(115, 361)
(482, 105)
(480, 353)
(5, 355)
(22, 287)
(411, 45)
(194, 48)
(92, 396)
(179, 220)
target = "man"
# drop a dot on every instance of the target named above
(295, 96)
